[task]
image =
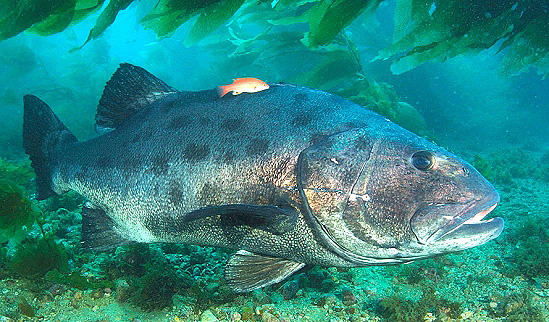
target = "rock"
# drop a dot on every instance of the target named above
(261, 298)
(290, 289)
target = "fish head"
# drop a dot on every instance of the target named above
(386, 196)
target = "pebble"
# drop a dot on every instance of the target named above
(349, 298)
(78, 295)
(268, 317)
(208, 316)
(122, 290)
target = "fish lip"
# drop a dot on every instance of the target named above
(474, 215)
(471, 214)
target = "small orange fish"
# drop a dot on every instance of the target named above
(243, 85)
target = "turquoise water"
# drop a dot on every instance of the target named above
(470, 98)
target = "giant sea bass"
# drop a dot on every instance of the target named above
(288, 176)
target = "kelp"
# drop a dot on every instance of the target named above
(212, 18)
(44, 17)
(425, 30)
(435, 31)
(107, 17)
(328, 18)
(168, 15)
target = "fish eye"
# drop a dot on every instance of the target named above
(423, 160)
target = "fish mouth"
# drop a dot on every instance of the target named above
(431, 224)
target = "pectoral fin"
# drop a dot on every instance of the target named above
(273, 219)
(246, 271)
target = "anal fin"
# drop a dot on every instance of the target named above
(98, 229)
(246, 271)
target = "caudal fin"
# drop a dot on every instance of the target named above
(43, 134)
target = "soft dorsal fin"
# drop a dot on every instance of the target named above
(246, 271)
(130, 89)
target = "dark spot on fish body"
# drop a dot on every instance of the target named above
(160, 165)
(317, 137)
(175, 194)
(228, 157)
(178, 122)
(196, 152)
(232, 124)
(300, 98)
(168, 105)
(103, 162)
(131, 163)
(204, 121)
(257, 147)
(130, 166)
(144, 135)
(162, 224)
(205, 194)
(349, 125)
(362, 144)
(302, 119)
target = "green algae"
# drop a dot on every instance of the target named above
(76, 280)
(34, 258)
(16, 211)
(397, 308)
(530, 256)
(506, 165)
(107, 17)
(20, 174)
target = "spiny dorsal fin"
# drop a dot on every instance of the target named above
(130, 89)
(246, 271)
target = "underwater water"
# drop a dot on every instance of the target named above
(478, 90)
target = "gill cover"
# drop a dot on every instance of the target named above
(328, 173)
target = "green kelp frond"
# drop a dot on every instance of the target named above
(329, 17)
(72, 12)
(434, 31)
(44, 17)
(530, 49)
(213, 17)
(168, 15)
(107, 17)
